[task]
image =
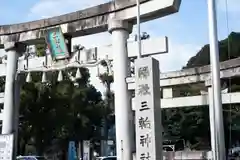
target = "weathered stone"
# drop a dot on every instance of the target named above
(87, 21)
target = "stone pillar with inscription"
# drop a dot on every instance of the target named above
(148, 110)
(123, 112)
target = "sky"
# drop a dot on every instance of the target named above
(187, 30)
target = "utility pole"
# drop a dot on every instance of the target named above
(139, 29)
(217, 98)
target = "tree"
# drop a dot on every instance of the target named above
(41, 49)
(59, 110)
(108, 121)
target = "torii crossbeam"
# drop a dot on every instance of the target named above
(88, 21)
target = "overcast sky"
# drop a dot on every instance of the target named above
(187, 30)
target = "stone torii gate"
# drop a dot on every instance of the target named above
(117, 17)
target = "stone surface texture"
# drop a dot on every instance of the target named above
(88, 21)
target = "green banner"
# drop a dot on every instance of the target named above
(56, 43)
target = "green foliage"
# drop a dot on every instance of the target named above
(60, 111)
(41, 49)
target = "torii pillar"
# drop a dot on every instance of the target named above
(120, 31)
(12, 91)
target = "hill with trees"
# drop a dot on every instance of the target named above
(229, 48)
